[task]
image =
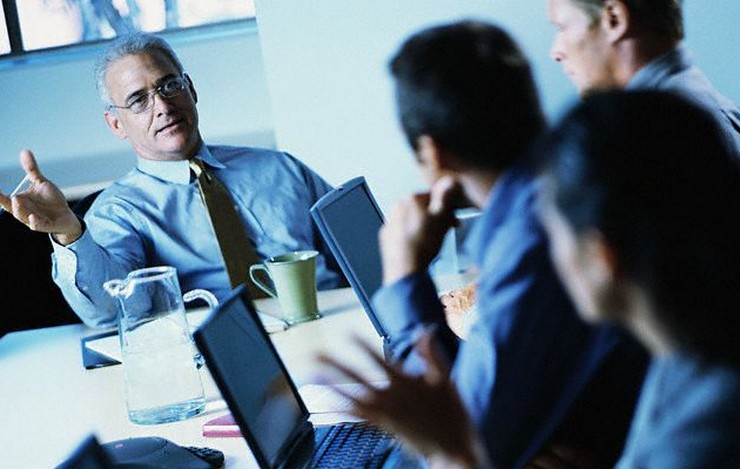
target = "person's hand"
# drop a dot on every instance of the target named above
(425, 411)
(413, 234)
(457, 304)
(42, 207)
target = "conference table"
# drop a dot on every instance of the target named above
(49, 402)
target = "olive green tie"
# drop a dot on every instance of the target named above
(236, 249)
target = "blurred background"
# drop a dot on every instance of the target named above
(309, 77)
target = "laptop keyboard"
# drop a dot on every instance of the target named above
(353, 445)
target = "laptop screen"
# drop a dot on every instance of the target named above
(252, 379)
(349, 220)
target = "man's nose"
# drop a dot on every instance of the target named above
(160, 104)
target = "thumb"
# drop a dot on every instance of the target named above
(29, 165)
(442, 195)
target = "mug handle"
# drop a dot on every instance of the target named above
(262, 286)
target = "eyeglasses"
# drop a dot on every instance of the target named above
(144, 101)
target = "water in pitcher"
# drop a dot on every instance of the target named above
(160, 366)
(162, 379)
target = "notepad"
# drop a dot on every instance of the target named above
(322, 398)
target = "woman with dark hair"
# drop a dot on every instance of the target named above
(644, 223)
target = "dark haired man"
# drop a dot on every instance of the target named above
(531, 372)
(634, 44)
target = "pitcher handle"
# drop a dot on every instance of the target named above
(200, 294)
(208, 297)
(115, 287)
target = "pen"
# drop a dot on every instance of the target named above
(17, 189)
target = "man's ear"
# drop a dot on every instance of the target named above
(427, 151)
(615, 20)
(192, 88)
(433, 156)
(114, 124)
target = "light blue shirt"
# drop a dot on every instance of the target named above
(155, 216)
(530, 370)
(675, 72)
(688, 416)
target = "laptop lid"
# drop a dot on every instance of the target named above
(349, 219)
(253, 379)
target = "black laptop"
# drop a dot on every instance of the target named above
(349, 220)
(267, 407)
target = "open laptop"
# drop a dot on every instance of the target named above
(266, 405)
(349, 219)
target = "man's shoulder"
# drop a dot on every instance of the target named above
(704, 413)
(131, 188)
(260, 163)
(225, 153)
(118, 192)
(513, 202)
(120, 186)
(690, 82)
(510, 236)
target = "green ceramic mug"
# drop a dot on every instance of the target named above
(294, 278)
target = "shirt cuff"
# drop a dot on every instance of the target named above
(56, 244)
(66, 260)
(408, 302)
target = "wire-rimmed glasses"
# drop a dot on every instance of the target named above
(144, 101)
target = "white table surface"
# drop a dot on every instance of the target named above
(49, 402)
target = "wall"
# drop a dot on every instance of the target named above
(52, 107)
(329, 98)
(331, 95)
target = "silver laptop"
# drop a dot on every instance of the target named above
(349, 220)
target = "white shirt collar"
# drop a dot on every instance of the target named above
(177, 172)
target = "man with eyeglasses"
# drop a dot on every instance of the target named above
(154, 215)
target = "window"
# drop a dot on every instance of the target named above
(33, 25)
(4, 40)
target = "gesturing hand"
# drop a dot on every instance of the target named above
(425, 411)
(42, 207)
(413, 234)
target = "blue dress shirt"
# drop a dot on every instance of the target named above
(688, 416)
(675, 72)
(155, 216)
(531, 370)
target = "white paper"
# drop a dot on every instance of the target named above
(322, 398)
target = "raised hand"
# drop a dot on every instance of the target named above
(412, 236)
(425, 411)
(42, 207)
